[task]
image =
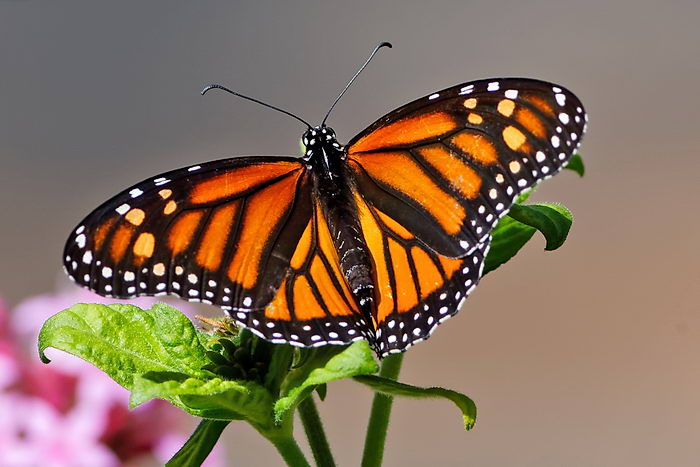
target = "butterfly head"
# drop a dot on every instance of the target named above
(320, 140)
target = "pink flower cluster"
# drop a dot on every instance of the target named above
(69, 413)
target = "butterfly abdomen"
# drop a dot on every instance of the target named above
(353, 254)
(335, 194)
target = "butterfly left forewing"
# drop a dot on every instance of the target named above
(221, 233)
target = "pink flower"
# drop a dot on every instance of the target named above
(43, 436)
(69, 413)
(9, 370)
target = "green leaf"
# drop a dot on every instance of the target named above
(280, 363)
(553, 220)
(199, 445)
(124, 340)
(576, 164)
(509, 237)
(214, 398)
(522, 197)
(326, 364)
(394, 388)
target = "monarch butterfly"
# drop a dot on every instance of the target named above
(381, 239)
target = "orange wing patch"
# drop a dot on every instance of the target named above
(506, 107)
(540, 104)
(120, 242)
(429, 276)
(475, 118)
(278, 309)
(327, 289)
(135, 216)
(394, 226)
(476, 146)
(216, 236)
(450, 265)
(406, 131)
(513, 137)
(531, 122)
(306, 306)
(182, 231)
(101, 233)
(263, 212)
(143, 246)
(407, 177)
(301, 253)
(452, 168)
(237, 181)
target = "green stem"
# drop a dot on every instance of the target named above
(199, 445)
(290, 451)
(379, 417)
(313, 426)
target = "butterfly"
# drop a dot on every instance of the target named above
(381, 239)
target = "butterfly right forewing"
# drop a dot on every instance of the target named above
(450, 165)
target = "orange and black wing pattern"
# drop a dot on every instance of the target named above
(313, 305)
(416, 288)
(434, 177)
(222, 233)
(448, 166)
(428, 182)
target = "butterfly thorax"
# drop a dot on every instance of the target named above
(325, 158)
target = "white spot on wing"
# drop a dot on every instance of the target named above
(87, 257)
(123, 209)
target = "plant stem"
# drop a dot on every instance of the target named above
(290, 451)
(200, 444)
(379, 417)
(313, 426)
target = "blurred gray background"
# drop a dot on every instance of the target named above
(587, 356)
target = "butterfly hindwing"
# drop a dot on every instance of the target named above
(416, 288)
(448, 166)
(313, 305)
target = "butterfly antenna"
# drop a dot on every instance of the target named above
(223, 88)
(374, 52)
